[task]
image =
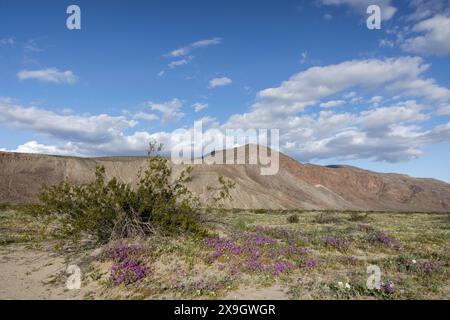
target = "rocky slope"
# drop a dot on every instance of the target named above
(296, 185)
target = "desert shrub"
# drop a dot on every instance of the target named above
(358, 216)
(293, 218)
(102, 211)
(260, 211)
(4, 206)
(219, 193)
(325, 218)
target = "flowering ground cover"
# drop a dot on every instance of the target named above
(248, 254)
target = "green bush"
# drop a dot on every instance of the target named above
(4, 206)
(260, 211)
(102, 211)
(293, 218)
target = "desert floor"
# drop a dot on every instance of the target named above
(256, 254)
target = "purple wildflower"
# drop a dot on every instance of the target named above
(387, 287)
(426, 267)
(338, 243)
(127, 267)
(309, 264)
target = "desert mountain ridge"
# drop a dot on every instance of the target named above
(295, 186)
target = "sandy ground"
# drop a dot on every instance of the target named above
(34, 274)
(40, 275)
(274, 292)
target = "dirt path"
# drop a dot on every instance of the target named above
(34, 274)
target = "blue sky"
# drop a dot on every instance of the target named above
(338, 92)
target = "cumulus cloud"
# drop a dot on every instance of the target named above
(391, 133)
(434, 38)
(170, 110)
(444, 110)
(52, 75)
(219, 82)
(382, 134)
(402, 75)
(89, 129)
(198, 106)
(397, 131)
(332, 103)
(35, 147)
(145, 116)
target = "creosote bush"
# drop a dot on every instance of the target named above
(102, 211)
(293, 218)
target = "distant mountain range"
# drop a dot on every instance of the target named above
(295, 186)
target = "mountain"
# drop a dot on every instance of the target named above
(295, 186)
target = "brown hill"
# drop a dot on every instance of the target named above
(295, 186)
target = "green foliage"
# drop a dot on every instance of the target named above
(221, 193)
(105, 210)
(260, 211)
(4, 206)
(293, 218)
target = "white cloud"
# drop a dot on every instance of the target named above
(146, 116)
(48, 75)
(425, 8)
(332, 103)
(206, 42)
(398, 131)
(375, 100)
(7, 41)
(90, 129)
(306, 88)
(434, 38)
(219, 82)
(170, 110)
(385, 43)
(390, 133)
(350, 95)
(183, 51)
(360, 6)
(381, 117)
(444, 110)
(198, 106)
(178, 63)
(383, 134)
(327, 16)
(32, 46)
(304, 57)
(35, 147)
